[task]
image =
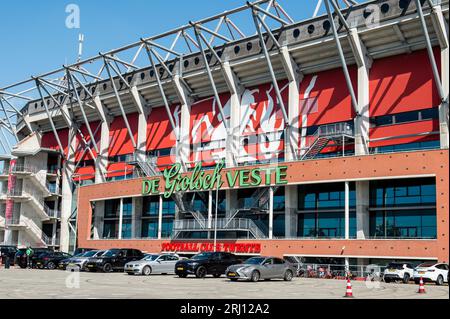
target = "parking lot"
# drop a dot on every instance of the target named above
(45, 284)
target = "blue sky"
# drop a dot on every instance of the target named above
(36, 40)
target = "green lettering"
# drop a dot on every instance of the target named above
(256, 177)
(243, 178)
(231, 180)
(280, 175)
(146, 187)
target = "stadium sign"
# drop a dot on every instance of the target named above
(201, 180)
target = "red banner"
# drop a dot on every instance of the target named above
(195, 247)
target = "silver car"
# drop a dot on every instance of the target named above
(257, 268)
(153, 264)
(79, 261)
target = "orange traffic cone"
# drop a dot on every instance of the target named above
(349, 292)
(421, 287)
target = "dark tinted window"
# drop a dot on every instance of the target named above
(278, 261)
(430, 114)
(406, 117)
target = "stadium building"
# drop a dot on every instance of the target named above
(322, 139)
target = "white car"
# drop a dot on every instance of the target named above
(431, 272)
(153, 264)
(398, 271)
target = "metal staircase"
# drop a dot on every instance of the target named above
(223, 224)
(338, 133)
(186, 207)
(147, 165)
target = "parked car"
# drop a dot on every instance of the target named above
(206, 263)
(21, 258)
(431, 272)
(398, 271)
(153, 264)
(113, 260)
(266, 268)
(79, 261)
(50, 260)
(79, 251)
(8, 251)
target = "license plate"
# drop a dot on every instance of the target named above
(231, 274)
(180, 268)
(421, 272)
(90, 266)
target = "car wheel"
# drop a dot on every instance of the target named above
(406, 278)
(255, 276)
(51, 265)
(182, 275)
(233, 279)
(201, 272)
(440, 280)
(417, 281)
(217, 275)
(107, 268)
(288, 275)
(147, 271)
(386, 280)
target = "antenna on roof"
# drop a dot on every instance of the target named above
(80, 46)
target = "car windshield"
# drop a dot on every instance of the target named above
(89, 254)
(395, 266)
(255, 261)
(426, 265)
(151, 257)
(201, 256)
(99, 253)
(111, 253)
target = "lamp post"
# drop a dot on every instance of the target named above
(215, 219)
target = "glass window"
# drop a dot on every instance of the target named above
(279, 228)
(151, 206)
(403, 224)
(126, 229)
(406, 117)
(127, 207)
(112, 208)
(149, 229)
(111, 229)
(325, 197)
(430, 114)
(398, 193)
(167, 225)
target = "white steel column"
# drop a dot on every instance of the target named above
(347, 210)
(210, 210)
(67, 191)
(270, 213)
(291, 204)
(120, 218)
(160, 215)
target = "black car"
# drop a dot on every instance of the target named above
(206, 264)
(50, 260)
(8, 252)
(21, 258)
(113, 260)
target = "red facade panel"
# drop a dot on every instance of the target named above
(49, 140)
(402, 83)
(120, 142)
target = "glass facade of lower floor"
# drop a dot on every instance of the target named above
(403, 209)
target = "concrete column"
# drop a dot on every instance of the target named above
(120, 218)
(136, 221)
(231, 203)
(234, 124)
(99, 219)
(54, 233)
(270, 213)
(67, 191)
(362, 209)
(291, 203)
(160, 216)
(292, 136)
(364, 63)
(102, 158)
(184, 129)
(347, 210)
(141, 149)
